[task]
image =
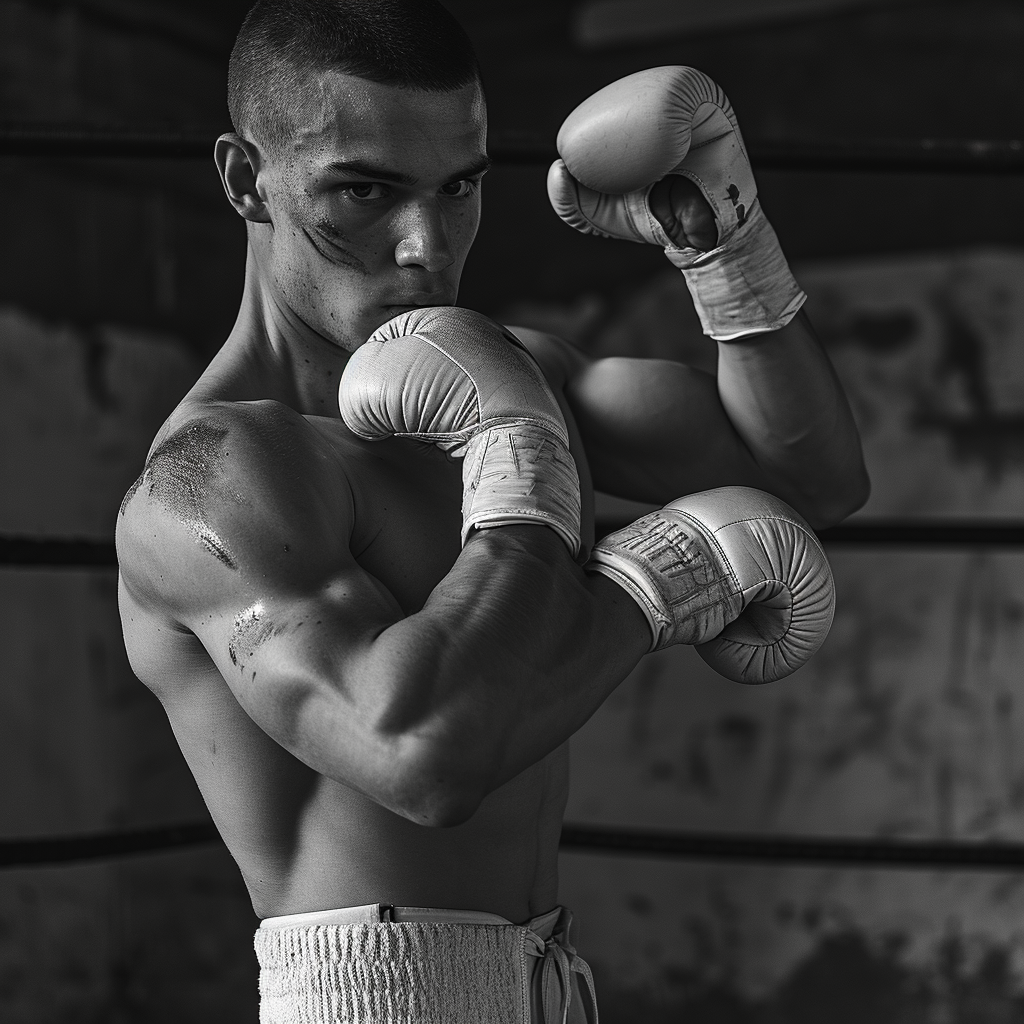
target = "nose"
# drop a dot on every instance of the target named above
(424, 238)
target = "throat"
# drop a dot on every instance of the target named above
(316, 391)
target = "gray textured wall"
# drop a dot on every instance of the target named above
(120, 278)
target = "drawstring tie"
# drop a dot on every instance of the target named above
(560, 961)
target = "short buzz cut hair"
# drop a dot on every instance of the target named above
(412, 44)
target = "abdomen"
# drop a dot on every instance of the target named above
(351, 851)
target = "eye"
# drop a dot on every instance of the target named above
(460, 189)
(365, 190)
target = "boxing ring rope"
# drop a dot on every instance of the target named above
(920, 156)
(71, 553)
(816, 851)
(937, 156)
(58, 552)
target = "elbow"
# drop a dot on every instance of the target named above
(443, 810)
(435, 803)
(437, 788)
(435, 752)
(854, 495)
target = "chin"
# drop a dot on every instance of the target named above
(352, 332)
(348, 340)
(386, 314)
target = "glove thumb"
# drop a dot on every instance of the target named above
(625, 217)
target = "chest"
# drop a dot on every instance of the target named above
(408, 511)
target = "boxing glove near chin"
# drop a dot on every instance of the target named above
(628, 136)
(733, 571)
(458, 380)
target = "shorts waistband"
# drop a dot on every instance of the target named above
(384, 913)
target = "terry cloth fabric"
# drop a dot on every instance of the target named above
(411, 965)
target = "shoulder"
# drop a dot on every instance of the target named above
(229, 490)
(559, 359)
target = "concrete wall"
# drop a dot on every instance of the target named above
(120, 279)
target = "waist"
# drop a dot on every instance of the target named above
(542, 925)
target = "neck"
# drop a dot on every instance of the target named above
(272, 353)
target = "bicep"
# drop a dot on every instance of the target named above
(654, 429)
(300, 662)
(289, 620)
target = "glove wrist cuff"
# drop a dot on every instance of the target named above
(744, 286)
(606, 564)
(675, 572)
(521, 471)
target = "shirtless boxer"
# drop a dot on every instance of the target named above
(375, 693)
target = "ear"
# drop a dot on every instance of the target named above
(238, 162)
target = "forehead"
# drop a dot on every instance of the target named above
(347, 118)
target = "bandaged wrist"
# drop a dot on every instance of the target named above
(521, 471)
(744, 286)
(676, 574)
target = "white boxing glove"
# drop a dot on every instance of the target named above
(735, 572)
(457, 379)
(616, 145)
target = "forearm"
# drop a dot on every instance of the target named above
(786, 403)
(514, 650)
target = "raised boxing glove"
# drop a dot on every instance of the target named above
(616, 145)
(455, 378)
(735, 572)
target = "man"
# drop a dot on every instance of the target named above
(373, 690)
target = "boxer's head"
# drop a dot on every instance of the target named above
(357, 154)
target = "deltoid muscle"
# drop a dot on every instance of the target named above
(179, 474)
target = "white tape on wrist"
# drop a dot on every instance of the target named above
(676, 574)
(521, 471)
(743, 287)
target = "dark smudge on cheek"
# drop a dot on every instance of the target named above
(179, 474)
(332, 244)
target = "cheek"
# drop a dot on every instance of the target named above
(317, 250)
(465, 225)
(342, 241)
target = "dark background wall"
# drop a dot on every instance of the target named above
(121, 277)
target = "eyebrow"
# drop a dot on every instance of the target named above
(370, 170)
